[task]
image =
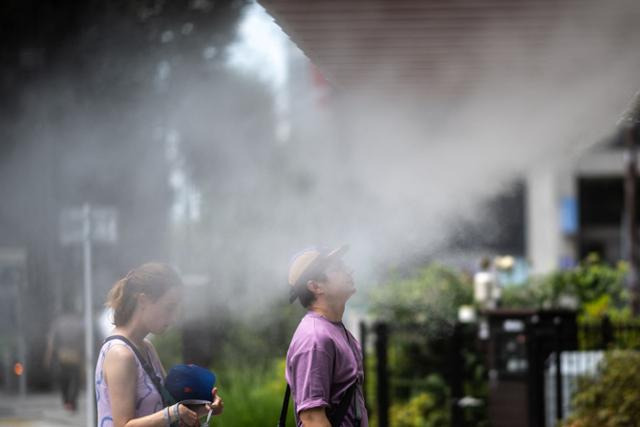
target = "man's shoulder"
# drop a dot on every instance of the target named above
(311, 333)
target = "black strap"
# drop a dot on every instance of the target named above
(167, 399)
(335, 417)
(285, 407)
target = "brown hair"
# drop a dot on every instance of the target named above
(152, 279)
(305, 296)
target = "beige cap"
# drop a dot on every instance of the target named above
(307, 263)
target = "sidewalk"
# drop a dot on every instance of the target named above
(39, 410)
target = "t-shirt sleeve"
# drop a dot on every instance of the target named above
(311, 379)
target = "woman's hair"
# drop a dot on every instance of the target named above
(152, 279)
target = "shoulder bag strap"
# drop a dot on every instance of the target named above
(337, 416)
(167, 399)
(285, 407)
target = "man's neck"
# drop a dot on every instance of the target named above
(331, 312)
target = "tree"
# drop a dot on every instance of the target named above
(80, 122)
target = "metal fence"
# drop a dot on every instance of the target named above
(563, 368)
(417, 358)
(550, 350)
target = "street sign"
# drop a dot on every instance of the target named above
(85, 225)
(104, 225)
(103, 221)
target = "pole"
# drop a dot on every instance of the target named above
(535, 386)
(629, 124)
(557, 325)
(363, 345)
(21, 342)
(630, 213)
(382, 388)
(88, 315)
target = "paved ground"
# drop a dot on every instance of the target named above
(38, 410)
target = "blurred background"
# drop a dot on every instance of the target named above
(475, 155)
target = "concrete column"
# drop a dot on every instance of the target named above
(543, 238)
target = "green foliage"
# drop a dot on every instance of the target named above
(169, 347)
(262, 336)
(612, 397)
(422, 310)
(423, 410)
(530, 295)
(432, 295)
(593, 287)
(252, 394)
(248, 361)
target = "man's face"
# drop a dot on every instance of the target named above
(339, 284)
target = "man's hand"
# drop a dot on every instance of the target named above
(315, 417)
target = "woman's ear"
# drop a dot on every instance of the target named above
(143, 301)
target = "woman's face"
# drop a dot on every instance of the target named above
(158, 315)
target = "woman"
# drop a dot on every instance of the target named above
(144, 301)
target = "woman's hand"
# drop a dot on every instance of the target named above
(187, 417)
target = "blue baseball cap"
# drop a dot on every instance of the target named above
(190, 382)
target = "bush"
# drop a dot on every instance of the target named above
(252, 395)
(169, 347)
(430, 297)
(248, 359)
(612, 397)
(423, 410)
(593, 287)
(422, 310)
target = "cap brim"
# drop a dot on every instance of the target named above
(338, 252)
(194, 402)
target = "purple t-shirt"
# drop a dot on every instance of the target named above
(317, 347)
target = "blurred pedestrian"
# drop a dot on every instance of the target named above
(129, 375)
(64, 355)
(324, 366)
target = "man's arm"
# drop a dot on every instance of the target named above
(311, 373)
(315, 417)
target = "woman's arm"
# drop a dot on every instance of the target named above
(120, 371)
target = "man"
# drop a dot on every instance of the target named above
(65, 345)
(324, 361)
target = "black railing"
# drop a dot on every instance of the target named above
(553, 377)
(407, 356)
(546, 355)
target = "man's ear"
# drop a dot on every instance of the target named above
(315, 287)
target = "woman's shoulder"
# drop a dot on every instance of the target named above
(120, 353)
(120, 362)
